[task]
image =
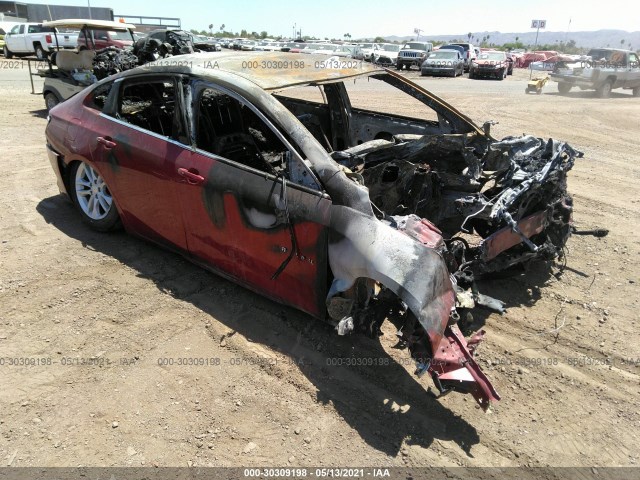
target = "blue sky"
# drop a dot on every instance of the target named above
(334, 18)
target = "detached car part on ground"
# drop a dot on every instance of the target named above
(351, 215)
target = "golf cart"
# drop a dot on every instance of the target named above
(69, 72)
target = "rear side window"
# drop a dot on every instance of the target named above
(39, 29)
(149, 105)
(98, 97)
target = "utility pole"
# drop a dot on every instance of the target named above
(89, 5)
(537, 24)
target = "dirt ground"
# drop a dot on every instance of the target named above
(99, 318)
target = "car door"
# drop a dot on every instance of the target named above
(249, 213)
(134, 143)
(633, 72)
(101, 39)
(18, 43)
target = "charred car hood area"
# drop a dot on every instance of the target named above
(471, 206)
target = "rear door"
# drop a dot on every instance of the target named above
(252, 209)
(135, 143)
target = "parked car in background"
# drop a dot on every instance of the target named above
(287, 46)
(325, 48)
(34, 38)
(103, 34)
(387, 54)
(247, 45)
(443, 62)
(203, 44)
(268, 46)
(453, 47)
(469, 54)
(236, 43)
(307, 48)
(180, 41)
(604, 70)
(368, 49)
(491, 64)
(349, 51)
(413, 54)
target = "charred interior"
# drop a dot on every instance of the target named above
(482, 205)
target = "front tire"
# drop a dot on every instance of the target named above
(7, 53)
(93, 199)
(51, 100)
(636, 91)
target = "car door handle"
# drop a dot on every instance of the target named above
(107, 142)
(191, 175)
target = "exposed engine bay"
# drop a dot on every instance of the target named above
(484, 206)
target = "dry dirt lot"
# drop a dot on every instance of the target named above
(565, 357)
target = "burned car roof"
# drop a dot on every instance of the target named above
(276, 71)
(270, 70)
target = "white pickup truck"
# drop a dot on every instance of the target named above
(34, 38)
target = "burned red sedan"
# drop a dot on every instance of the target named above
(274, 171)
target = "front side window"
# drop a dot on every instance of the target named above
(228, 128)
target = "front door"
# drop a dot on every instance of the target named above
(243, 214)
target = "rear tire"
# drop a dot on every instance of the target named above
(604, 90)
(92, 198)
(40, 53)
(7, 53)
(564, 88)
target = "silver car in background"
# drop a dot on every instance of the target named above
(443, 62)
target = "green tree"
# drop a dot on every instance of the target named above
(244, 33)
(379, 40)
(264, 34)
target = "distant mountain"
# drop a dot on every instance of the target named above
(599, 38)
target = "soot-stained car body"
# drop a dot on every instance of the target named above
(351, 215)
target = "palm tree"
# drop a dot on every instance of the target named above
(222, 27)
(469, 35)
(210, 27)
